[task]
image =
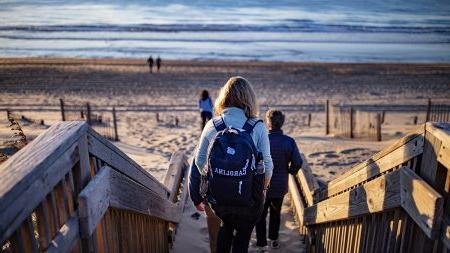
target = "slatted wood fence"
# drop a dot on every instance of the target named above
(438, 112)
(348, 122)
(104, 123)
(397, 201)
(71, 190)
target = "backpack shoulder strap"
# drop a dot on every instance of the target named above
(250, 124)
(219, 124)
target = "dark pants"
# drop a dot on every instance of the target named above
(227, 238)
(205, 117)
(236, 228)
(274, 204)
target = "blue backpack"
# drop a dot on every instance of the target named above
(232, 160)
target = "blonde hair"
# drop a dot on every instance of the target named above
(237, 92)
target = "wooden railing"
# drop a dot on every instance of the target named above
(397, 201)
(71, 190)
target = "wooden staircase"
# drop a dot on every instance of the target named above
(397, 201)
(71, 190)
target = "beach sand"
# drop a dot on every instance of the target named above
(33, 85)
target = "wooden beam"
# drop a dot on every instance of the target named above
(130, 195)
(377, 195)
(185, 183)
(421, 202)
(374, 166)
(93, 202)
(177, 167)
(34, 192)
(440, 130)
(308, 181)
(444, 156)
(305, 187)
(84, 173)
(106, 151)
(296, 199)
(66, 238)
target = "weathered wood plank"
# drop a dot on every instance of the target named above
(177, 167)
(429, 166)
(308, 181)
(130, 195)
(444, 156)
(421, 202)
(66, 237)
(305, 187)
(311, 179)
(83, 171)
(373, 167)
(185, 189)
(93, 202)
(24, 167)
(110, 154)
(377, 195)
(296, 199)
(20, 208)
(440, 130)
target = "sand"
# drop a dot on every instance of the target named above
(32, 87)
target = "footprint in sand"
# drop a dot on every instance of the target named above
(352, 150)
(316, 154)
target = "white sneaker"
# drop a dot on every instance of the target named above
(274, 244)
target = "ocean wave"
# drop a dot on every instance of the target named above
(303, 26)
(261, 39)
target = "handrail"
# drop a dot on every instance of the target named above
(410, 177)
(30, 174)
(65, 186)
(400, 152)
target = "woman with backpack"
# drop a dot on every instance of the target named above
(205, 105)
(234, 160)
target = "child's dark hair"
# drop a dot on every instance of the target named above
(204, 95)
(275, 119)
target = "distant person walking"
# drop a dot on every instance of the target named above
(286, 160)
(205, 105)
(158, 63)
(150, 63)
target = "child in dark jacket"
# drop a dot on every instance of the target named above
(287, 160)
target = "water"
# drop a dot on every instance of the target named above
(289, 30)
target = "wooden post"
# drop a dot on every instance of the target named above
(176, 121)
(415, 119)
(61, 104)
(327, 117)
(383, 114)
(8, 114)
(428, 111)
(309, 119)
(88, 113)
(351, 123)
(157, 117)
(378, 127)
(116, 134)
